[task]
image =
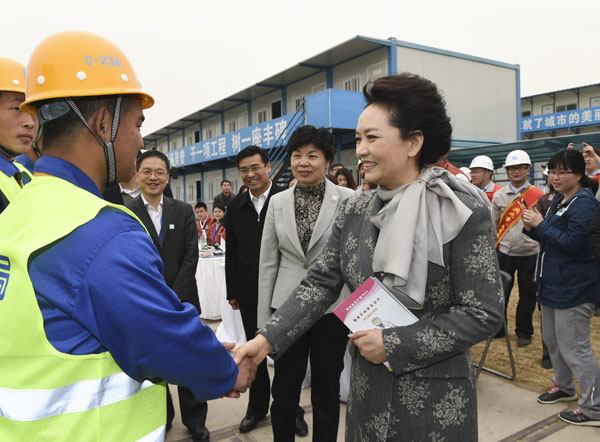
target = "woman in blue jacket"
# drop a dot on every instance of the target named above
(568, 286)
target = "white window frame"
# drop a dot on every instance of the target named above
(262, 116)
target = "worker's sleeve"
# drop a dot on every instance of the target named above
(149, 332)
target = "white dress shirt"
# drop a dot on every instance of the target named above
(155, 215)
(259, 202)
(132, 193)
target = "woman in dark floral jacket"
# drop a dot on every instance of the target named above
(429, 238)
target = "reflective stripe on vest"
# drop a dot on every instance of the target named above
(47, 395)
(29, 405)
(157, 435)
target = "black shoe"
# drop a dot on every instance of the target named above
(301, 427)
(200, 434)
(546, 363)
(576, 417)
(249, 423)
(523, 341)
(555, 395)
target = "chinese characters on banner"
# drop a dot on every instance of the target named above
(576, 117)
(265, 135)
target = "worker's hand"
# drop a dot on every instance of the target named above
(228, 345)
(246, 374)
(256, 349)
(370, 345)
(570, 146)
(588, 151)
(532, 218)
(234, 304)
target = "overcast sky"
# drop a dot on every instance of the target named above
(190, 54)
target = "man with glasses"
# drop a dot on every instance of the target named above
(517, 251)
(244, 225)
(172, 227)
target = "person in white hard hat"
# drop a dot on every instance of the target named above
(517, 251)
(482, 169)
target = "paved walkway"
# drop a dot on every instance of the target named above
(507, 412)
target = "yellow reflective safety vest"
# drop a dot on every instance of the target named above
(24, 170)
(9, 185)
(46, 395)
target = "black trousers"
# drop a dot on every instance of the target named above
(525, 268)
(325, 343)
(260, 390)
(193, 412)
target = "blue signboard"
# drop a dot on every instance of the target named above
(560, 120)
(228, 145)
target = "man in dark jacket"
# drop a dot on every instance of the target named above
(594, 234)
(224, 198)
(172, 226)
(244, 225)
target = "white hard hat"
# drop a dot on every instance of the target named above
(466, 171)
(483, 162)
(517, 157)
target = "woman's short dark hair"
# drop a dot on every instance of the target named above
(572, 160)
(219, 206)
(311, 135)
(414, 104)
(349, 178)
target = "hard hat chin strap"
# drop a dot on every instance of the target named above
(109, 150)
(7, 153)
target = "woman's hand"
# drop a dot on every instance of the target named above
(370, 345)
(256, 349)
(532, 218)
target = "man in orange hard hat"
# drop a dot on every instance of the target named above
(17, 130)
(88, 325)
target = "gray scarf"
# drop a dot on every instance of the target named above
(418, 219)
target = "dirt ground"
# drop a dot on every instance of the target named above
(527, 359)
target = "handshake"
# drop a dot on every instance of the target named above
(247, 358)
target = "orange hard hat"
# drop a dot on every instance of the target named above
(12, 76)
(79, 64)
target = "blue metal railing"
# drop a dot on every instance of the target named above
(277, 154)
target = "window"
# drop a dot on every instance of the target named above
(276, 109)
(352, 83)
(548, 109)
(594, 101)
(262, 116)
(196, 136)
(190, 140)
(526, 113)
(231, 126)
(208, 133)
(566, 107)
(299, 100)
(243, 120)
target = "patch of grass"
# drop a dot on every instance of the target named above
(527, 359)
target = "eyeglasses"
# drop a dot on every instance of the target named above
(561, 174)
(254, 169)
(519, 168)
(159, 173)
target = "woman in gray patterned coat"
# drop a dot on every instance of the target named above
(429, 238)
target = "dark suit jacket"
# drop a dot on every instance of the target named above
(178, 246)
(244, 233)
(112, 194)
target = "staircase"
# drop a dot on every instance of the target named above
(281, 172)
